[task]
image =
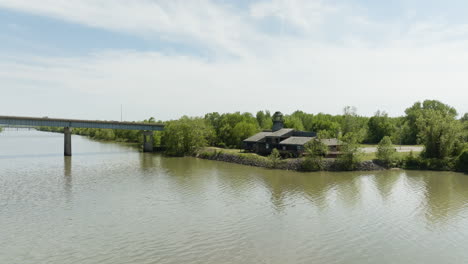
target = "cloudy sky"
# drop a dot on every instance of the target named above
(86, 58)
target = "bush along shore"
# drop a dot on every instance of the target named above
(272, 162)
(386, 158)
(436, 126)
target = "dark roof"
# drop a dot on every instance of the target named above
(281, 132)
(296, 140)
(331, 142)
(257, 137)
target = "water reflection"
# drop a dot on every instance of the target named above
(133, 207)
(385, 182)
(67, 177)
(445, 194)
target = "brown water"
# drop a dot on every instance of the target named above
(111, 204)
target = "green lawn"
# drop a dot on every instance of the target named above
(400, 155)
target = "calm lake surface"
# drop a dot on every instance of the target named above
(110, 203)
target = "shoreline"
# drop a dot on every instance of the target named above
(295, 164)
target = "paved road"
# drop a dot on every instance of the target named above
(398, 148)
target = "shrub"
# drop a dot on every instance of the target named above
(462, 162)
(311, 164)
(412, 162)
(274, 158)
(386, 152)
(350, 156)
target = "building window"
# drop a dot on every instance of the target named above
(284, 147)
(267, 146)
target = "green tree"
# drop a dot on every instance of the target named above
(293, 122)
(462, 162)
(464, 118)
(185, 136)
(315, 148)
(350, 155)
(439, 132)
(386, 152)
(380, 125)
(242, 131)
(274, 158)
(264, 119)
(224, 128)
(352, 123)
(315, 151)
(417, 110)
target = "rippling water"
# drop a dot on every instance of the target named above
(111, 204)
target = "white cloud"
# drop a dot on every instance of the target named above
(304, 14)
(390, 70)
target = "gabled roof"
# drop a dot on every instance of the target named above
(257, 137)
(296, 140)
(280, 132)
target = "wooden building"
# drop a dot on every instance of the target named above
(286, 140)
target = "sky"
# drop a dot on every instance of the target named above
(87, 59)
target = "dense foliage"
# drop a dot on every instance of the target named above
(186, 135)
(430, 123)
(386, 152)
(350, 154)
(462, 162)
(315, 151)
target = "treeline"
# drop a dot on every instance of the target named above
(431, 123)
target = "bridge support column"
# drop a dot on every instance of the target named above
(148, 140)
(67, 141)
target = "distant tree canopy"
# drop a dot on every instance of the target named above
(186, 135)
(230, 129)
(464, 118)
(439, 132)
(430, 123)
(380, 126)
(386, 151)
(418, 110)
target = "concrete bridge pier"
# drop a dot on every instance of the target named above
(148, 140)
(67, 138)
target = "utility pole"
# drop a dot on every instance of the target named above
(120, 112)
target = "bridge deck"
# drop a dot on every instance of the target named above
(56, 122)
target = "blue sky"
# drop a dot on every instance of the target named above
(83, 58)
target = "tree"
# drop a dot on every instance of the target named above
(242, 131)
(315, 151)
(185, 136)
(439, 132)
(293, 122)
(380, 125)
(386, 151)
(462, 162)
(274, 158)
(352, 123)
(417, 110)
(326, 124)
(464, 118)
(350, 155)
(224, 125)
(264, 119)
(315, 148)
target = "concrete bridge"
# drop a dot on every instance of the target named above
(146, 128)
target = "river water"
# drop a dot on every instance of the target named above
(109, 203)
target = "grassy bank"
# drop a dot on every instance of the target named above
(296, 164)
(398, 155)
(366, 161)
